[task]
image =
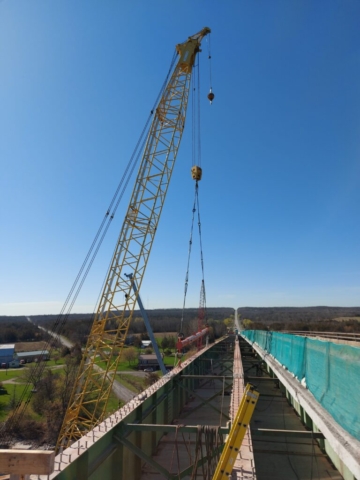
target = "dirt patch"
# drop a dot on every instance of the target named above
(346, 319)
(30, 346)
(166, 334)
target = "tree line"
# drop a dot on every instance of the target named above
(18, 329)
(77, 327)
(346, 326)
(291, 314)
(319, 319)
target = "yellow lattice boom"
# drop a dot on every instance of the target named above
(87, 406)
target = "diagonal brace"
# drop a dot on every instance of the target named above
(204, 401)
(139, 453)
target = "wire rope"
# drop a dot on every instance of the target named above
(198, 113)
(209, 57)
(193, 126)
(188, 262)
(200, 236)
(196, 159)
(196, 207)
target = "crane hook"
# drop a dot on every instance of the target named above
(211, 96)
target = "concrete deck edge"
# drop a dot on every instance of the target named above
(244, 465)
(345, 445)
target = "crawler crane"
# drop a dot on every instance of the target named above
(88, 402)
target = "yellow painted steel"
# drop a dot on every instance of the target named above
(88, 402)
(196, 172)
(236, 436)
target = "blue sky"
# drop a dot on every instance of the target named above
(280, 195)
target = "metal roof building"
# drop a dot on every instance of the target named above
(35, 355)
(148, 361)
(7, 352)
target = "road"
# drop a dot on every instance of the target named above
(237, 323)
(138, 373)
(121, 392)
(63, 340)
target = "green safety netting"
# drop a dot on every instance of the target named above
(331, 371)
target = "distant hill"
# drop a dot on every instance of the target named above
(296, 314)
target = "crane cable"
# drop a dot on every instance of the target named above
(195, 110)
(209, 57)
(188, 261)
(58, 326)
(196, 159)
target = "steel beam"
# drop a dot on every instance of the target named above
(274, 379)
(216, 377)
(287, 433)
(205, 401)
(289, 453)
(200, 463)
(146, 427)
(139, 453)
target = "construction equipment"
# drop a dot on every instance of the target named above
(149, 329)
(237, 433)
(89, 399)
(183, 342)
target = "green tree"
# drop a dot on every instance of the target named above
(247, 324)
(229, 322)
(130, 354)
(172, 341)
(165, 343)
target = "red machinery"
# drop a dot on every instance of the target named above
(183, 342)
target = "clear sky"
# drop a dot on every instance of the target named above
(280, 195)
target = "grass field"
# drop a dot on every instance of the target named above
(132, 382)
(13, 392)
(346, 319)
(9, 374)
(52, 363)
(122, 367)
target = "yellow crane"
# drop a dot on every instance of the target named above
(88, 402)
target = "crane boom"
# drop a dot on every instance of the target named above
(88, 402)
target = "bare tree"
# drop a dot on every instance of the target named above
(151, 378)
(67, 382)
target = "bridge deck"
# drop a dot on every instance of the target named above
(204, 392)
(280, 456)
(176, 450)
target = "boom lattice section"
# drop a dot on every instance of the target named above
(89, 399)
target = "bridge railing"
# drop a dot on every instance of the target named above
(330, 371)
(354, 337)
